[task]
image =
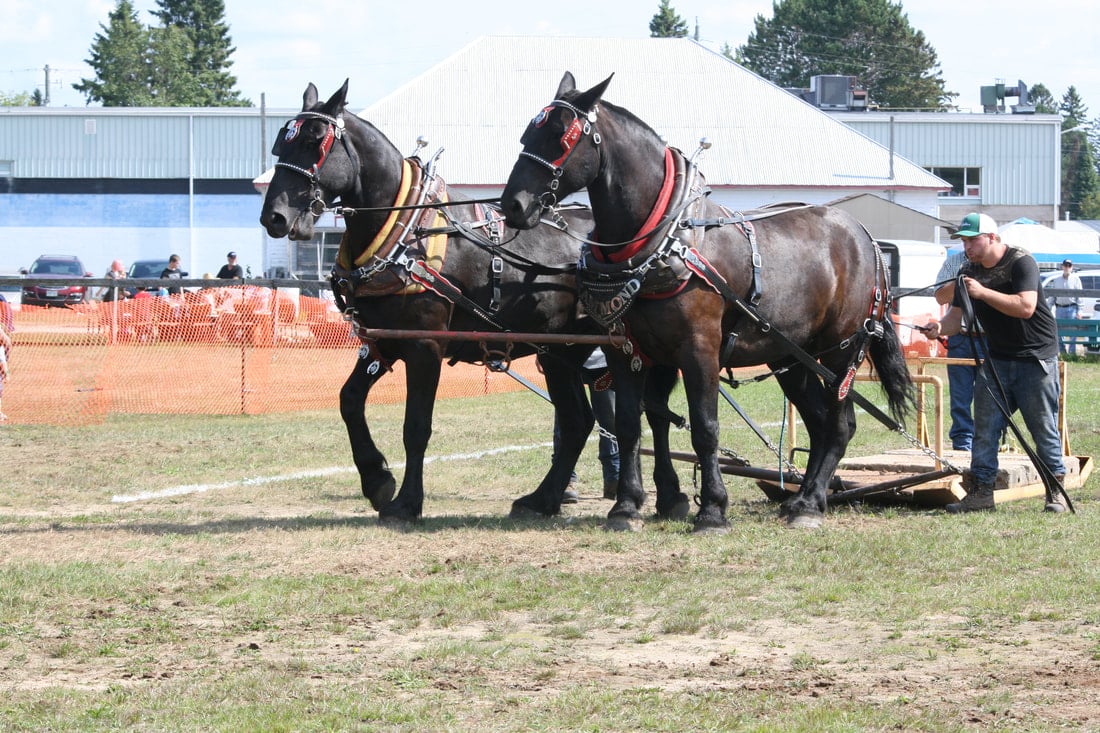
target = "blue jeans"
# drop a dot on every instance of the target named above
(1032, 388)
(603, 407)
(1066, 311)
(960, 383)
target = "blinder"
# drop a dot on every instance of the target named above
(290, 131)
(287, 132)
(584, 123)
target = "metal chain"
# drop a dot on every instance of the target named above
(913, 441)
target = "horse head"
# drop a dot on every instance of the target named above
(560, 154)
(316, 165)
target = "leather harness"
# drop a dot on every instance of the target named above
(659, 266)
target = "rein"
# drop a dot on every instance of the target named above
(699, 266)
(352, 210)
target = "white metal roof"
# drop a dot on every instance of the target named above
(477, 103)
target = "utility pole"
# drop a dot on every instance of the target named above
(46, 90)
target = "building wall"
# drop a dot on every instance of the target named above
(115, 183)
(1019, 157)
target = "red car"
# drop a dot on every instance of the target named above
(60, 267)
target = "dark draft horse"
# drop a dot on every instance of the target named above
(693, 286)
(414, 257)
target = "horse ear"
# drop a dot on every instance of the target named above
(567, 84)
(337, 101)
(309, 97)
(587, 100)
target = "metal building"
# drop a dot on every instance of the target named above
(134, 183)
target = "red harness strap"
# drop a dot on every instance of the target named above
(326, 146)
(659, 209)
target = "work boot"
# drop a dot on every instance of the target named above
(1056, 502)
(979, 499)
(570, 496)
(610, 488)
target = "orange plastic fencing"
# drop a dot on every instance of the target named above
(218, 351)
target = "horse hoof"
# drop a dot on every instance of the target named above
(381, 495)
(524, 512)
(805, 521)
(396, 521)
(623, 524)
(680, 510)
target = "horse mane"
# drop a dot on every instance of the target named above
(621, 111)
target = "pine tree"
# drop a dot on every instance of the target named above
(667, 23)
(1044, 101)
(119, 57)
(170, 84)
(869, 39)
(204, 23)
(1080, 181)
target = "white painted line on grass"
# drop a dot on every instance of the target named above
(316, 473)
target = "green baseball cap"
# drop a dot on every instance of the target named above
(974, 224)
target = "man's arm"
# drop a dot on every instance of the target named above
(949, 325)
(1018, 305)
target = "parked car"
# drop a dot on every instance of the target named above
(12, 293)
(146, 269)
(1090, 280)
(59, 267)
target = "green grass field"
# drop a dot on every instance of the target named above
(223, 573)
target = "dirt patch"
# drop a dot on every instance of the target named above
(1022, 673)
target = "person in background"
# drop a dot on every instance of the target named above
(1002, 283)
(1064, 306)
(960, 377)
(111, 293)
(231, 270)
(596, 376)
(173, 272)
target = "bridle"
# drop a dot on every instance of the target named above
(291, 130)
(573, 135)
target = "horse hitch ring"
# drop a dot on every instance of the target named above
(495, 359)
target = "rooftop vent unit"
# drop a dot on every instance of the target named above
(833, 92)
(993, 98)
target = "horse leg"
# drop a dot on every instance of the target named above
(422, 381)
(830, 426)
(375, 479)
(671, 502)
(574, 421)
(626, 513)
(701, 388)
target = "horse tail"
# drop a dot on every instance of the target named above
(893, 373)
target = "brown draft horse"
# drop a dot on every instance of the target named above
(696, 287)
(437, 265)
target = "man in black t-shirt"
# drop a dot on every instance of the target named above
(1002, 283)
(172, 272)
(231, 270)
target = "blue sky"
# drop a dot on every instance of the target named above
(283, 45)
